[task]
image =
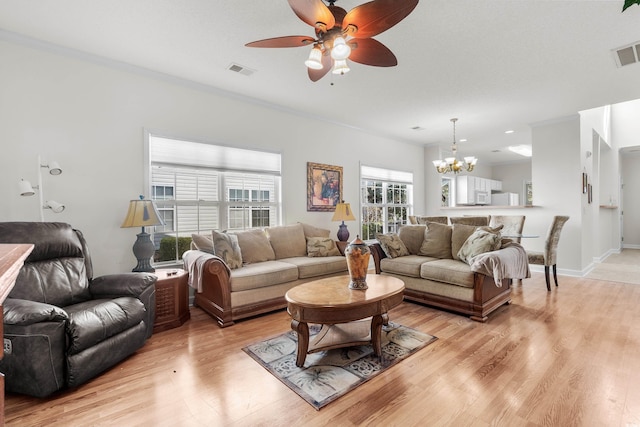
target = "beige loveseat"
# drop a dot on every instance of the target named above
(252, 270)
(428, 259)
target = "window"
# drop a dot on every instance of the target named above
(162, 192)
(386, 200)
(199, 187)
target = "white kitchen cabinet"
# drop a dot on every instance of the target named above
(472, 190)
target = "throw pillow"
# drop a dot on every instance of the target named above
(437, 241)
(461, 233)
(202, 243)
(412, 237)
(321, 246)
(226, 247)
(479, 242)
(287, 241)
(392, 245)
(255, 246)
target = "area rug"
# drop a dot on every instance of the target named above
(328, 375)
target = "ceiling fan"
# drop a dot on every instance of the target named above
(341, 35)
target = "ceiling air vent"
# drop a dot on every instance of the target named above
(626, 55)
(236, 68)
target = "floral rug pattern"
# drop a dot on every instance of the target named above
(327, 375)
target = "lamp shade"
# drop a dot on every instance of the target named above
(343, 213)
(142, 213)
(315, 59)
(54, 168)
(25, 188)
(54, 206)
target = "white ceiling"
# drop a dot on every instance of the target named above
(497, 65)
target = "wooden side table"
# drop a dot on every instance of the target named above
(172, 299)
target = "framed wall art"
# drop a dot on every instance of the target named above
(324, 187)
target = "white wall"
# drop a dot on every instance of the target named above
(626, 134)
(556, 174)
(91, 117)
(631, 178)
(513, 177)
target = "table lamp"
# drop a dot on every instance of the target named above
(142, 213)
(343, 213)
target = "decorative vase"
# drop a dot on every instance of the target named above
(357, 254)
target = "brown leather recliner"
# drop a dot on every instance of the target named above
(62, 325)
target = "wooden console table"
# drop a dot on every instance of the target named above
(11, 260)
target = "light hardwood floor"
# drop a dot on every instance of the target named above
(569, 357)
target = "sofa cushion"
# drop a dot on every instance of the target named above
(263, 274)
(407, 265)
(311, 231)
(287, 241)
(226, 247)
(479, 242)
(313, 267)
(448, 271)
(255, 246)
(202, 243)
(392, 245)
(412, 237)
(461, 233)
(94, 321)
(321, 247)
(437, 241)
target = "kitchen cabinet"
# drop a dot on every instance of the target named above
(473, 190)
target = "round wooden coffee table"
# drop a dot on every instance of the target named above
(331, 303)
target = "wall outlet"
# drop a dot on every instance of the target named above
(8, 347)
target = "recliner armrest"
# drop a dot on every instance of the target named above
(24, 312)
(124, 284)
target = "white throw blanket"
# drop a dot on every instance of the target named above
(510, 262)
(194, 262)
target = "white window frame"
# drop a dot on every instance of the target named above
(384, 178)
(231, 164)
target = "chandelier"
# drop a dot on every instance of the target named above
(452, 164)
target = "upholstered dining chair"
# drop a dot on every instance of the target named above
(479, 221)
(419, 219)
(548, 257)
(512, 225)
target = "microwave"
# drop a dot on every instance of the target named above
(483, 198)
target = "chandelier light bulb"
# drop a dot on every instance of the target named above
(341, 49)
(315, 59)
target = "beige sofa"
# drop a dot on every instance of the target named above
(252, 270)
(428, 259)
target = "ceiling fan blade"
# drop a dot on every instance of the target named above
(370, 19)
(371, 52)
(327, 65)
(313, 12)
(286, 41)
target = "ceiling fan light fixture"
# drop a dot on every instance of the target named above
(315, 59)
(341, 49)
(341, 67)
